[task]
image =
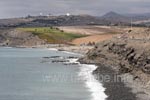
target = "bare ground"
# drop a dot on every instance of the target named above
(91, 30)
(95, 33)
(92, 38)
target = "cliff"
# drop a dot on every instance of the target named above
(17, 38)
(128, 58)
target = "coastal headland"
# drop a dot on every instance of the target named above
(127, 55)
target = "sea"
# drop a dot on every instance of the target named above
(46, 74)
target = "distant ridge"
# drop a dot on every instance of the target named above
(115, 17)
(61, 20)
(110, 18)
(112, 14)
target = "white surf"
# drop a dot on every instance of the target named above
(94, 86)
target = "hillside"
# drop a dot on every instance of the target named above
(52, 35)
(114, 17)
(15, 38)
(129, 57)
(35, 36)
(44, 21)
(110, 18)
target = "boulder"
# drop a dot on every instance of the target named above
(146, 69)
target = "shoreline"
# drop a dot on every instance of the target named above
(125, 92)
(110, 87)
(116, 89)
(95, 87)
(128, 60)
(91, 83)
(60, 47)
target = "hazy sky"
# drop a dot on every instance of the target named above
(16, 8)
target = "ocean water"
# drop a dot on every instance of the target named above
(25, 74)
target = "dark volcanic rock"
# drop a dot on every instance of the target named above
(123, 57)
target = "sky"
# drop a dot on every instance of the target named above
(21, 8)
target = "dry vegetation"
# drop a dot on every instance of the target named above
(52, 35)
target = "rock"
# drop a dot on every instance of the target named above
(137, 56)
(59, 61)
(131, 58)
(71, 63)
(125, 67)
(146, 69)
(16, 38)
(46, 57)
(124, 57)
(148, 57)
(61, 50)
(72, 57)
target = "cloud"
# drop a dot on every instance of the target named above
(16, 8)
(129, 1)
(138, 10)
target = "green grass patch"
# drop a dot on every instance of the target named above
(52, 35)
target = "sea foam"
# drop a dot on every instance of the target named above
(72, 53)
(95, 87)
(53, 49)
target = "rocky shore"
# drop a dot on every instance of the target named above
(126, 60)
(123, 62)
(16, 38)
